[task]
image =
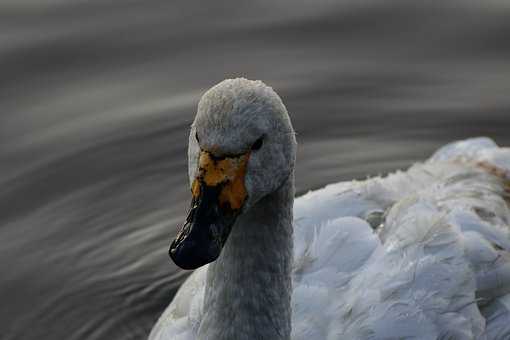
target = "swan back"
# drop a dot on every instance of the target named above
(422, 252)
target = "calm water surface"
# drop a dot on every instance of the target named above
(96, 99)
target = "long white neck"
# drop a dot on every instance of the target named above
(248, 288)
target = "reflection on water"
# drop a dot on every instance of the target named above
(96, 99)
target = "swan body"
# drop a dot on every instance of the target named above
(421, 254)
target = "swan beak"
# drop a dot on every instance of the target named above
(218, 196)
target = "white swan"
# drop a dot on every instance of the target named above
(421, 254)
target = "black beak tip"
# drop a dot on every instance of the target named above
(187, 257)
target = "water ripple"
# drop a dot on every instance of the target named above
(97, 98)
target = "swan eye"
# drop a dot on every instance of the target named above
(258, 144)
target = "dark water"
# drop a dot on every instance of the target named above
(96, 98)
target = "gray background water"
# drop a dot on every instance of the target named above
(96, 98)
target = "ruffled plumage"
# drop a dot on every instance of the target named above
(418, 254)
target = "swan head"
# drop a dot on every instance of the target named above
(242, 147)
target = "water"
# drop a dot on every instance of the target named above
(97, 97)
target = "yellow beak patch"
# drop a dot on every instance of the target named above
(228, 172)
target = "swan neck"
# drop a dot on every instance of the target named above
(248, 289)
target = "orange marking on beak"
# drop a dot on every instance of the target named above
(229, 172)
(195, 188)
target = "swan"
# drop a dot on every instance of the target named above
(417, 254)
